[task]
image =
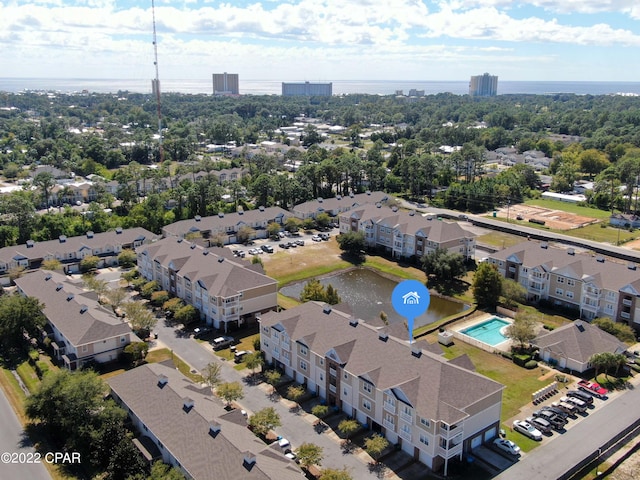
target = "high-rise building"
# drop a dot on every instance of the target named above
(307, 89)
(226, 84)
(483, 85)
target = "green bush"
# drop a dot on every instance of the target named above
(548, 327)
(531, 364)
(34, 356)
(42, 368)
(521, 359)
(635, 367)
(507, 355)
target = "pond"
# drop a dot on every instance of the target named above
(369, 293)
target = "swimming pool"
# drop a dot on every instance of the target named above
(489, 331)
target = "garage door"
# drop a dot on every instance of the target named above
(476, 442)
(489, 434)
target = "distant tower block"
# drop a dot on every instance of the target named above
(483, 85)
(226, 84)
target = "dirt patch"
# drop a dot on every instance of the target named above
(556, 219)
(635, 245)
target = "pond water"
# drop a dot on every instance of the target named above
(369, 293)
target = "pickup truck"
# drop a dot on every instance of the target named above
(570, 408)
(593, 388)
(579, 404)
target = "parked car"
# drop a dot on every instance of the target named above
(593, 388)
(291, 456)
(283, 443)
(222, 342)
(267, 248)
(316, 238)
(284, 246)
(506, 446)
(567, 407)
(527, 429)
(292, 244)
(579, 394)
(541, 424)
(555, 420)
(579, 404)
(238, 357)
(300, 243)
(558, 411)
(200, 332)
(254, 251)
(281, 234)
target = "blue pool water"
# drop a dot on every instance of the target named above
(488, 331)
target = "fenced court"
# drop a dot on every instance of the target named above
(556, 219)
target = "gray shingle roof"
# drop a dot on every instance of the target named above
(437, 389)
(63, 302)
(186, 433)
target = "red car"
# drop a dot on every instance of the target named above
(593, 388)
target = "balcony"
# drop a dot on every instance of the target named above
(625, 315)
(332, 388)
(332, 371)
(389, 425)
(537, 287)
(405, 435)
(451, 452)
(627, 302)
(450, 432)
(407, 417)
(389, 407)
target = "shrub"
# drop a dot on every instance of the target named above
(635, 367)
(521, 359)
(34, 356)
(42, 369)
(548, 327)
(507, 355)
(531, 364)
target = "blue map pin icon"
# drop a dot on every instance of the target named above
(410, 299)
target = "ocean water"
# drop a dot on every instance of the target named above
(274, 87)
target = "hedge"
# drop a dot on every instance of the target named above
(531, 364)
(521, 359)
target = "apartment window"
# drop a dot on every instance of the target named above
(265, 329)
(265, 343)
(560, 279)
(322, 361)
(424, 439)
(608, 308)
(406, 409)
(425, 422)
(303, 350)
(569, 294)
(85, 348)
(276, 335)
(344, 392)
(303, 366)
(611, 295)
(366, 387)
(571, 282)
(346, 376)
(321, 377)
(406, 429)
(559, 291)
(366, 404)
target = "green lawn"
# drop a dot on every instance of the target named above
(28, 376)
(499, 239)
(163, 354)
(569, 207)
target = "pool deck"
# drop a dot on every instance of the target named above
(457, 328)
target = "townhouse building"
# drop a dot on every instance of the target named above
(71, 250)
(433, 409)
(228, 292)
(187, 427)
(406, 234)
(225, 227)
(337, 205)
(80, 328)
(592, 285)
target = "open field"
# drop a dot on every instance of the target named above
(499, 239)
(557, 218)
(569, 208)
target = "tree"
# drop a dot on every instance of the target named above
(323, 219)
(602, 362)
(230, 392)
(621, 331)
(375, 445)
(309, 454)
(136, 352)
(173, 305)
(272, 377)
(331, 296)
(264, 420)
(352, 243)
(187, 314)
(51, 264)
(292, 224)
(487, 285)
(295, 392)
(320, 410)
(245, 233)
(513, 292)
(443, 264)
(140, 318)
(312, 290)
(129, 276)
(348, 427)
(273, 229)
(89, 263)
(335, 474)
(92, 283)
(159, 297)
(127, 258)
(19, 314)
(45, 182)
(523, 329)
(162, 471)
(212, 374)
(253, 361)
(148, 288)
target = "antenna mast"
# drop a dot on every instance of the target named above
(156, 83)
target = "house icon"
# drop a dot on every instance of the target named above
(411, 298)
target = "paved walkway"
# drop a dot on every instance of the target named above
(297, 426)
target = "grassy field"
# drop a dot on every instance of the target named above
(499, 239)
(162, 354)
(569, 207)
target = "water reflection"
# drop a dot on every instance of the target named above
(369, 293)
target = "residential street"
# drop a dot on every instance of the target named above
(297, 428)
(11, 438)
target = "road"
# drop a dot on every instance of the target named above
(295, 427)
(573, 446)
(11, 441)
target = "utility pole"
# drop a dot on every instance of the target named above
(156, 84)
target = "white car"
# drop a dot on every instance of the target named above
(254, 251)
(284, 443)
(527, 429)
(506, 446)
(316, 238)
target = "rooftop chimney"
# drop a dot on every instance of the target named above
(162, 380)
(353, 322)
(214, 428)
(89, 234)
(62, 238)
(249, 460)
(383, 335)
(187, 404)
(416, 351)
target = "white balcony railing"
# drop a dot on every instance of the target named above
(448, 433)
(451, 452)
(405, 435)
(390, 425)
(389, 407)
(625, 315)
(332, 371)
(407, 417)
(332, 388)
(626, 302)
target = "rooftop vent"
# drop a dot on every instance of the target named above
(240, 211)
(220, 259)
(339, 197)
(70, 297)
(378, 205)
(179, 240)
(571, 251)
(368, 192)
(162, 380)
(326, 309)
(30, 243)
(205, 252)
(319, 199)
(83, 309)
(187, 404)
(62, 238)
(261, 208)
(631, 266)
(412, 213)
(192, 246)
(544, 245)
(394, 208)
(214, 428)
(249, 460)
(353, 322)
(89, 234)
(351, 195)
(58, 287)
(580, 326)
(118, 230)
(383, 335)
(47, 277)
(220, 214)
(197, 218)
(416, 351)
(600, 259)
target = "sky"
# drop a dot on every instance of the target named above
(323, 40)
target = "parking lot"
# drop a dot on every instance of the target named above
(285, 242)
